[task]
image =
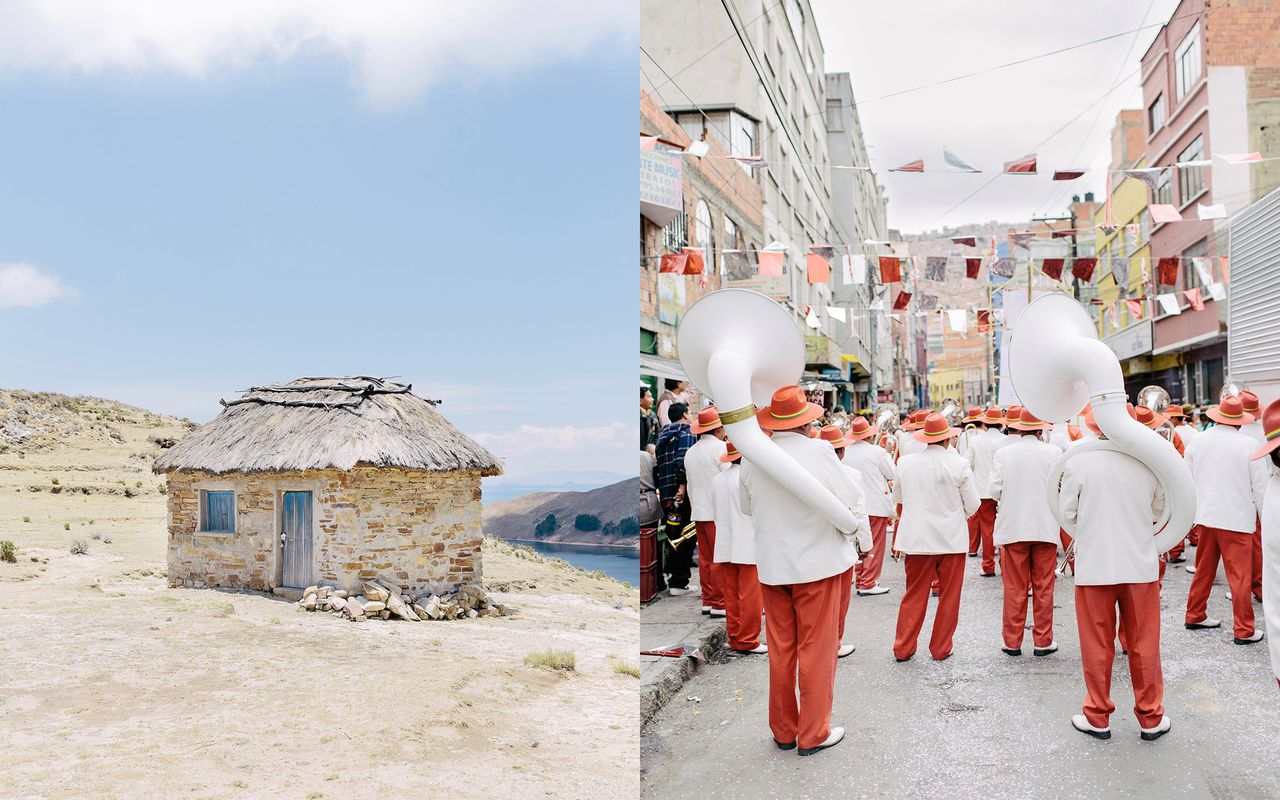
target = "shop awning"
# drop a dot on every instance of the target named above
(660, 367)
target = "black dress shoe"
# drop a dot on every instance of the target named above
(785, 745)
(1256, 636)
(973, 555)
(1012, 651)
(908, 658)
(987, 574)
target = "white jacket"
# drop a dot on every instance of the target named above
(938, 497)
(908, 444)
(1114, 500)
(1271, 566)
(701, 465)
(985, 444)
(876, 468)
(1058, 437)
(1186, 432)
(1229, 487)
(1019, 484)
(794, 542)
(735, 535)
(1254, 431)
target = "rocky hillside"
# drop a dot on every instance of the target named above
(615, 508)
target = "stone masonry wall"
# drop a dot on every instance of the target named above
(418, 529)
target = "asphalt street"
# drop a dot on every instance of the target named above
(982, 724)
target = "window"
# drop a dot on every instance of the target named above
(732, 236)
(834, 121)
(795, 18)
(1155, 115)
(674, 237)
(218, 512)
(702, 231)
(1191, 179)
(1164, 189)
(1190, 277)
(1186, 63)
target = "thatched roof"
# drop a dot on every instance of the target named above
(328, 423)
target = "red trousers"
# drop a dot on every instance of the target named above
(1030, 564)
(708, 569)
(868, 570)
(846, 594)
(1235, 548)
(921, 569)
(1139, 605)
(802, 627)
(975, 534)
(986, 515)
(1193, 537)
(1066, 543)
(1257, 561)
(743, 605)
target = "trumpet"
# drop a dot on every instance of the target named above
(687, 533)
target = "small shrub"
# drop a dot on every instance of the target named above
(106, 540)
(138, 484)
(129, 492)
(96, 536)
(162, 489)
(79, 548)
(90, 522)
(26, 519)
(563, 660)
(55, 481)
(626, 669)
(66, 526)
(8, 552)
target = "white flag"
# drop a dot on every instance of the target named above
(811, 319)
(855, 269)
(1218, 211)
(957, 162)
(836, 313)
(876, 305)
(1217, 291)
(697, 149)
(958, 320)
(1201, 263)
(1169, 303)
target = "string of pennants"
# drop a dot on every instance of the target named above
(1026, 165)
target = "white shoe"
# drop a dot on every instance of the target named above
(874, 590)
(1256, 636)
(845, 649)
(1228, 594)
(832, 740)
(706, 609)
(718, 612)
(1190, 568)
(759, 649)
(1151, 734)
(674, 592)
(1207, 622)
(1081, 723)
(1044, 651)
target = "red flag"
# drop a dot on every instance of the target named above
(900, 302)
(984, 320)
(1065, 234)
(971, 267)
(890, 269)
(1226, 274)
(1194, 298)
(1111, 309)
(1167, 271)
(673, 262)
(817, 267)
(971, 241)
(1024, 166)
(1135, 308)
(1067, 174)
(693, 265)
(1082, 268)
(1053, 268)
(770, 262)
(910, 166)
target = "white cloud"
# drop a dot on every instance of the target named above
(24, 286)
(533, 449)
(396, 47)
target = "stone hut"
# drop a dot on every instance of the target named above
(326, 481)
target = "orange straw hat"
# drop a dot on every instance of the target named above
(1175, 411)
(708, 420)
(1027, 421)
(936, 429)
(993, 416)
(731, 453)
(1230, 412)
(914, 420)
(1012, 414)
(788, 409)
(1270, 429)
(1149, 418)
(861, 429)
(1250, 402)
(974, 415)
(833, 434)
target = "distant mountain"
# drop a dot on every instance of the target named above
(509, 487)
(519, 518)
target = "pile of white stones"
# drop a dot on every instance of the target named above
(384, 600)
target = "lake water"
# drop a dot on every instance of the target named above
(616, 562)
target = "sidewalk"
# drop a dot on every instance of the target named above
(671, 620)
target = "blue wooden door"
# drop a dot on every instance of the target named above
(295, 525)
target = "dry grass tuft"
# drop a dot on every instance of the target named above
(563, 660)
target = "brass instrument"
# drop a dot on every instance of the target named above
(686, 533)
(1154, 398)
(886, 418)
(1232, 388)
(952, 412)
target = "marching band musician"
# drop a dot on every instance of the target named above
(936, 490)
(1179, 419)
(876, 469)
(835, 437)
(802, 561)
(974, 425)
(985, 444)
(1271, 531)
(1114, 499)
(907, 443)
(701, 465)
(1026, 532)
(1229, 499)
(735, 557)
(1160, 424)
(1254, 430)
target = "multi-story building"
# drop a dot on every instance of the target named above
(706, 203)
(1210, 86)
(767, 98)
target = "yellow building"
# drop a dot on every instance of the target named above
(1130, 239)
(944, 383)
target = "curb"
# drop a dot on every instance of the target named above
(711, 638)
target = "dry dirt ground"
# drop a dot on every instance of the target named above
(116, 686)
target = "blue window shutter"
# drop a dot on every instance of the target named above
(220, 511)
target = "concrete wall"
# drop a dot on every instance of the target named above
(416, 528)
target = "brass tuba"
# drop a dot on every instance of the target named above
(886, 418)
(1154, 398)
(952, 412)
(1232, 388)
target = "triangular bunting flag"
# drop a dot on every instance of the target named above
(825, 250)
(1022, 166)
(1226, 273)
(1111, 311)
(1053, 268)
(890, 269)
(1082, 268)
(697, 149)
(935, 268)
(673, 262)
(958, 320)
(1067, 174)
(1148, 175)
(1163, 212)
(1003, 267)
(957, 162)
(1167, 271)
(770, 262)
(1201, 263)
(811, 318)
(1135, 308)
(984, 320)
(817, 268)
(971, 267)
(910, 166)
(1120, 271)
(1239, 158)
(971, 241)
(737, 264)
(1169, 303)
(1218, 211)
(695, 262)
(1194, 298)
(837, 313)
(928, 302)
(1217, 291)
(900, 302)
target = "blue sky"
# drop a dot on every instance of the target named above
(173, 234)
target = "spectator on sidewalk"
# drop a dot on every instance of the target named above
(674, 440)
(648, 421)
